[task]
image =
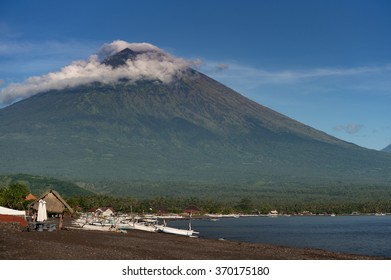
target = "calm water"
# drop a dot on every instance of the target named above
(366, 235)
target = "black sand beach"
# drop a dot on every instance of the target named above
(75, 244)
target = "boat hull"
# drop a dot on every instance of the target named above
(138, 226)
(177, 231)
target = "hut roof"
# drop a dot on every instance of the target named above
(92, 210)
(29, 197)
(54, 202)
(104, 209)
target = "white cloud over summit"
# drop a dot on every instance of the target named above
(150, 63)
(109, 49)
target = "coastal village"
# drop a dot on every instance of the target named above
(47, 212)
(36, 217)
(51, 224)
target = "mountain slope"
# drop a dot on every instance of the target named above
(38, 185)
(387, 149)
(190, 129)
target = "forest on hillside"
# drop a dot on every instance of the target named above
(244, 205)
(262, 199)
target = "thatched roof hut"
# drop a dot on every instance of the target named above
(54, 204)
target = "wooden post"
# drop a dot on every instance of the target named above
(61, 220)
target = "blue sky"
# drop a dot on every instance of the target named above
(324, 63)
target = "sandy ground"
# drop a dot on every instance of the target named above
(74, 244)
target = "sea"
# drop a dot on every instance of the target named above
(365, 235)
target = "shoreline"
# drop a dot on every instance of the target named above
(74, 244)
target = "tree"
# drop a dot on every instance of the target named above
(14, 196)
(245, 205)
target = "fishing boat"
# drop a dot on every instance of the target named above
(184, 232)
(138, 223)
(98, 227)
(177, 231)
(90, 222)
(143, 226)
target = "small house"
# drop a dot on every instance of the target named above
(104, 212)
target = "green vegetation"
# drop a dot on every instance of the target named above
(259, 197)
(285, 204)
(256, 197)
(263, 196)
(38, 185)
(13, 196)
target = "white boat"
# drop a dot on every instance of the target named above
(177, 231)
(185, 232)
(85, 224)
(144, 224)
(101, 227)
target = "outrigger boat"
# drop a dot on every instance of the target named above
(90, 223)
(99, 227)
(177, 231)
(149, 225)
(185, 232)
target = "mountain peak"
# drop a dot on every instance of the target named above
(119, 46)
(109, 65)
(120, 58)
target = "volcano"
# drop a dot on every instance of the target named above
(387, 149)
(175, 125)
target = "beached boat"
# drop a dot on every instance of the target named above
(141, 226)
(88, 222)
(99, 227)
(177, 231)
(147, 223)
(185, 232)
(138, 223)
